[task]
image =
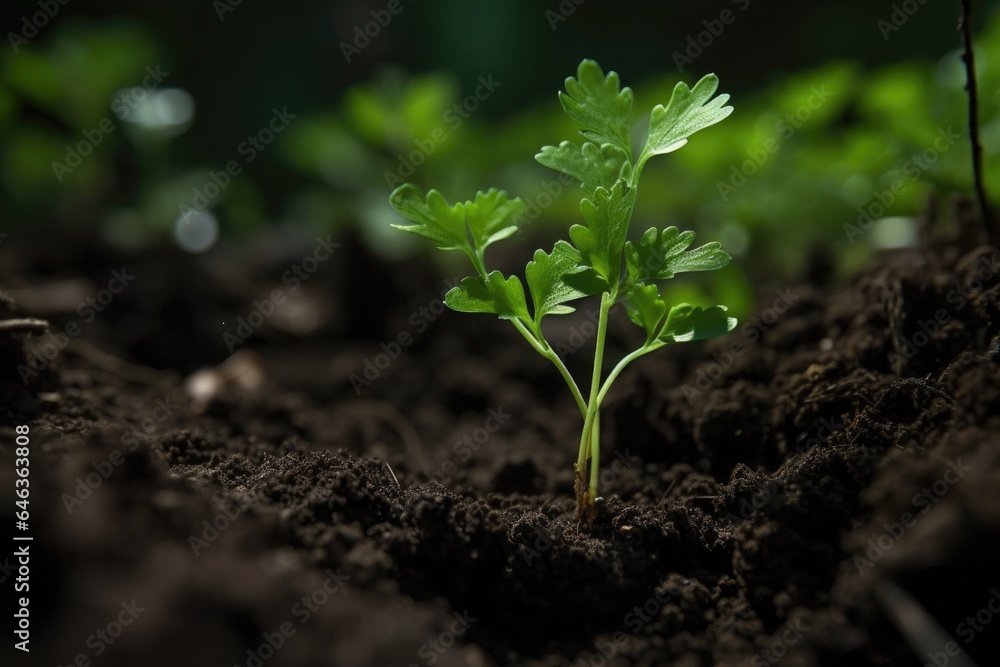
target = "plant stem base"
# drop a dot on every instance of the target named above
(586, 509)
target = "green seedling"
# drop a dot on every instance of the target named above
(598, 259)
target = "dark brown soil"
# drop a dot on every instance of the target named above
(761, 507)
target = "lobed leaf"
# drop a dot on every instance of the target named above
(689, 110)
(503, 297)
(493, 217)
(662, 253)
(547, 276)
(595, 167)
(602, 240)
(687, 323)
(490, 217)
(599, 104)
(434, 218)
(646, 308)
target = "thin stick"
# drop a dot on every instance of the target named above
(916, 624)
(23, 325)
(968, 57)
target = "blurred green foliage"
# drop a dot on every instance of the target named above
(792, 166)
(48, 97)
(786, 172)
(70, 158)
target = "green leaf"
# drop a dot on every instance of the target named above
(602, 240)
(593, 166)
(585, 279)
(546, 275)
(689, 110)
(490, 217)
(599, 104)
(660, 254)
(434, 218)
(501, 296)
(646, 308)
(687, 323)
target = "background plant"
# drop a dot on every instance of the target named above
(326, 172)
(599, 260)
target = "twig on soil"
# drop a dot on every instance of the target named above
(23, 325)
(916, 624)
(667, 492)
(389, 415)
(98, 358)
(393, 475)
(968, 57)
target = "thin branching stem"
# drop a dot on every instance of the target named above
(616, 371)
(577, 394)
(539, 346)
(968, 57)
